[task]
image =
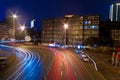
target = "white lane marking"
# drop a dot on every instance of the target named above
(92, 61)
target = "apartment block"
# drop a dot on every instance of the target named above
(79, 28)
(6, 31)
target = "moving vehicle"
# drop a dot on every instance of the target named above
(85, 59)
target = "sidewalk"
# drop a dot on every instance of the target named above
(105, 67)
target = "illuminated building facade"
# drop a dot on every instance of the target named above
(114, 14)
(91, 26)
(6, 31)
(79, 27)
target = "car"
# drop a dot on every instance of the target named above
(51, 45)
(83, 55)
(85, 59)
(55, 44)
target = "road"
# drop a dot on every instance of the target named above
(28, 65)
(68, 66)
(40, 62)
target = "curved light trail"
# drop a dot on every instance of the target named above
(68, 66)
(28, 68)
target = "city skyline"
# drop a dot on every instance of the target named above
(114, 14)
(39, 10)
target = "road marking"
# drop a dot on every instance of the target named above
(93, 62)
(95, 67)
(61, 73)
(75, 73)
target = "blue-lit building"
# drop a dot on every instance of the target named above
(114, 14)
(91, 26)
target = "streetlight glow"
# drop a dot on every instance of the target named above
(14, 16)
(118, 4)
(65, 26)
(22, 27)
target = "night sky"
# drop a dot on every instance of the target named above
(42, 9)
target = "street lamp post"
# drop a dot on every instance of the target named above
(22, 29)
(14, 16)
(14, 26)
(65, 27)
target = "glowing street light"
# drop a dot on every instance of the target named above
(22, 27)
(65, 27)
(14, 17)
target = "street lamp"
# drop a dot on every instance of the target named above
(65, 27)
(14, 16)
(22, 28)
(14, 26)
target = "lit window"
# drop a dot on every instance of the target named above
(94, 27)
(86, 22)
(85, 27)
(89, 22)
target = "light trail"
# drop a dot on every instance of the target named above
(31, 60)
(27, 58)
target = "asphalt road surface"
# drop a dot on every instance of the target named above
(28, 65)
(45, 63)
(68, 66)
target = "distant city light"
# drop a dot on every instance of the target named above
(22, 27)
(111, 13)
(114, 12)
(32, 23)
(117, 3)
(93, 27)
(80, 46)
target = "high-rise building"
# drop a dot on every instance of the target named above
(114, 14)
(79, 28)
